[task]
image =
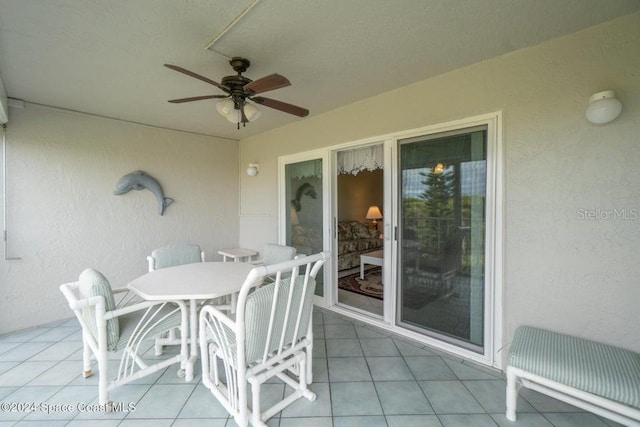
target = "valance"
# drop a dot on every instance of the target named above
(360, 159)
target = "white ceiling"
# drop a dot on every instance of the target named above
(105, 57)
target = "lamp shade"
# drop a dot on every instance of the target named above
(234, 116)
(225, 107)
(603, 107)
(251, 112)
(373, 213)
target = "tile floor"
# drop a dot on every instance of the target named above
(362, 376)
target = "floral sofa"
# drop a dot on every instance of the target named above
(355, 239)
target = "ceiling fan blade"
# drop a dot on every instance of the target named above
(282, 106)
(267, 83)
(197, 76)
(196, 98)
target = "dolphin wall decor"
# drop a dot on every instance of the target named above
(139, 180)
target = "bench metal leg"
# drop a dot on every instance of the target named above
(513, 387)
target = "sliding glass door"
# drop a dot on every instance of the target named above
(433, 263)
(441, 236)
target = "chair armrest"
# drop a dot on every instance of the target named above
(140, 306)
(84, 303)
(217, 314)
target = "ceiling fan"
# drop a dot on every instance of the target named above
(238, 89)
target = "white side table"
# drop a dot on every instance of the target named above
(237, 254)
(373, 258)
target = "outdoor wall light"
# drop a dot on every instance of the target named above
(603, 107)
(252, 169)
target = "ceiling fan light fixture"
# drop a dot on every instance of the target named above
(225, 107)
(234, 117)
(251, 112)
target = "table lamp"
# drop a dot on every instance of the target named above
(374, 214)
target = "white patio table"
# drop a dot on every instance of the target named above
(192, 282)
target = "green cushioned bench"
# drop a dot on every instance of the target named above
(593, 376)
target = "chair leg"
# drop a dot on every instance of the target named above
(256, 416)
(86, 358)
(158, 344)
(308, 394)
(103, 379)
(242, 416)
(166, 338)
(309, 356)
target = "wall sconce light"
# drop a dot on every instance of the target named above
(374, 214)
(603, 107)
(252, 169)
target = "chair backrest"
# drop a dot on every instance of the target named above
(274, 254)
(172, 255)
(278, 315)
(81, 298)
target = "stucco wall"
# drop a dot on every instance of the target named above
(561, 271)
(63, 216)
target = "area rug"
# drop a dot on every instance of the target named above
(370, 286)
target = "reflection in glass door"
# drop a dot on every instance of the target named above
(304, 208)
(441, 233)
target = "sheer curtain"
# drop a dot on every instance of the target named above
(360, 159)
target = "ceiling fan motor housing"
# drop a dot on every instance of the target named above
(239, 64)
(237, 82)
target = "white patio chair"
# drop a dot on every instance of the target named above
(274, 254)
(170, 256)
(271, 336)
(106, 328)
